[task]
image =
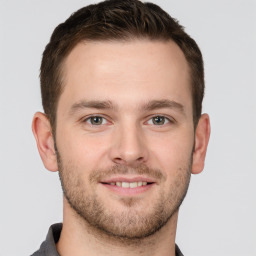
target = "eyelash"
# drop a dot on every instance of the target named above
(91, 117)
(159, 116)
(169, 120)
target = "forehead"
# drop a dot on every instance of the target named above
(126, 72)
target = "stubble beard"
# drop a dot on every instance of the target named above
(130, 224)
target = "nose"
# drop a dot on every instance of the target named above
(129, 146)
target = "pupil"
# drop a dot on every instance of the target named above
(158, 120)
(96, 120)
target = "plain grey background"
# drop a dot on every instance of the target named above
(218, 216)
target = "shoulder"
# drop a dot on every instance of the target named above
(48, 247)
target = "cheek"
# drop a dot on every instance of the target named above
(82, 150)
(172, 151)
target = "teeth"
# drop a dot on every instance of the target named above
(133, 185)
(125, 184)
(129, 184)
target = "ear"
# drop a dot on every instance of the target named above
(43, 134)
(202, 136)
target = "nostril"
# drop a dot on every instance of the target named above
(119, 160)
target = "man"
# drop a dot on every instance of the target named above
(122, 87)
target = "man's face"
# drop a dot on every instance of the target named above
(125, 134)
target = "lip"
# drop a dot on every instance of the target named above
(128, 191)
(128, 179)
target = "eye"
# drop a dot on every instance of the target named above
(159, 120)
(96, 120)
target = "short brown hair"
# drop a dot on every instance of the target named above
(116, 20)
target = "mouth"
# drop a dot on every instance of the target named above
(124, 186)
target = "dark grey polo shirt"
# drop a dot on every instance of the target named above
(48, 247)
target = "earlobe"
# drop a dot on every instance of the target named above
(45, 143)
(202, 136)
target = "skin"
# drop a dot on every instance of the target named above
(131, 76)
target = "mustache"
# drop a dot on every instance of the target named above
(141, 169)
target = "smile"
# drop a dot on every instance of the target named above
(125, 184)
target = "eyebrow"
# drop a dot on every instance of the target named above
(148, 106)
(91, 104)
(157, 104)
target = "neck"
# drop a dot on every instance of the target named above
(78, 238)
